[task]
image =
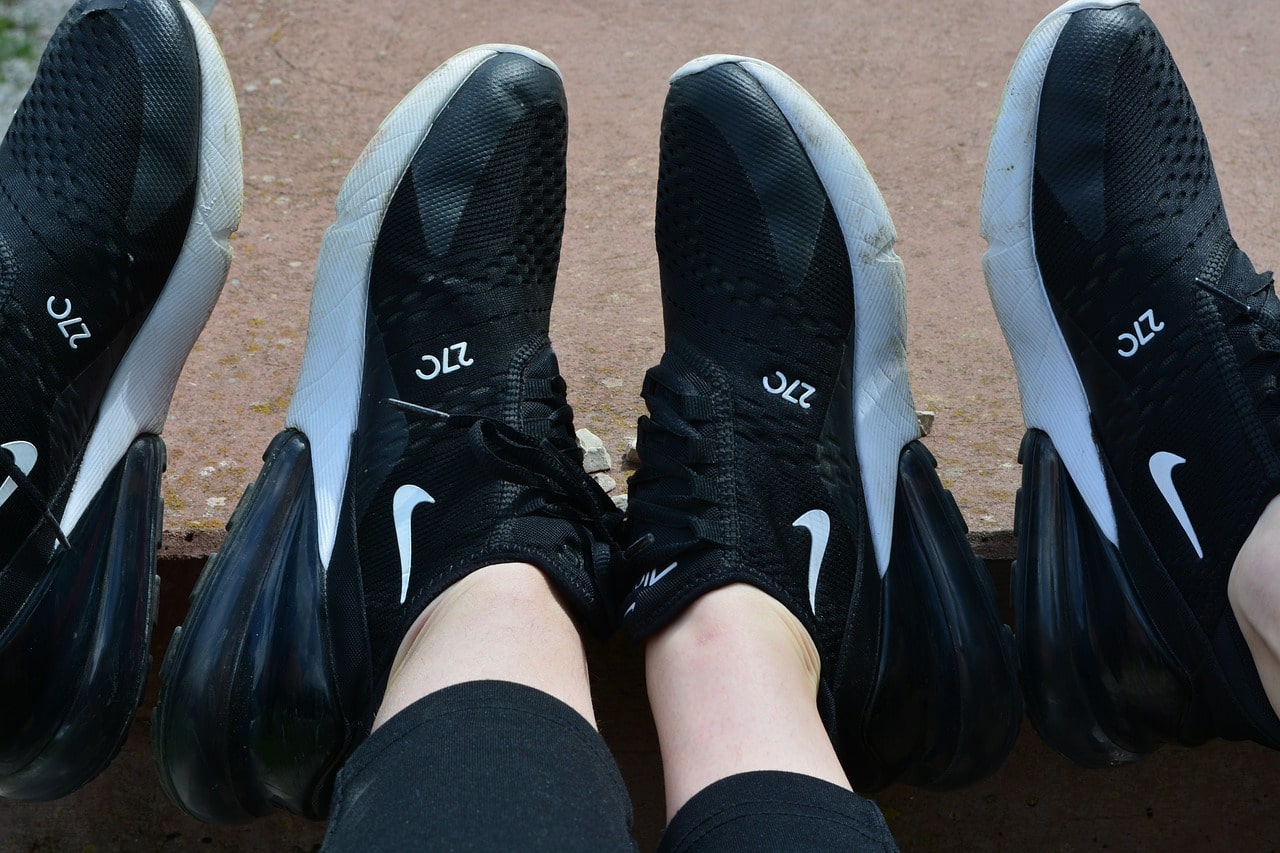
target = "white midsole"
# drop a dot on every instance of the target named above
(1053, 397)
(326, 400)
(884, 413)
(137, 400)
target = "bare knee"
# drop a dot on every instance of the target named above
(1254, 586)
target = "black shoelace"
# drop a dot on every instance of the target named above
(1258, 305)
(9, 468)
(674, 502)
(1252, 324)
(561, 488)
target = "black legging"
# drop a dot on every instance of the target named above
(491, 765)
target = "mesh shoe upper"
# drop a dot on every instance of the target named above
(1174, 333)
(1146, 350)
(120, 183)
(429, 385)
(97, 181)
(780, 446)
(459, 304)
(750, 415)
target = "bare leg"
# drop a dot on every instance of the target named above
(492, 759)
(1254, 590)
(502, 622)
(733, 685)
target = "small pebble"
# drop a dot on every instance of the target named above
(594, 456)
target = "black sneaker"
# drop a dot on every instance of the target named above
(1146, 348)
(781, 449)
(428, 437)
(119, 186)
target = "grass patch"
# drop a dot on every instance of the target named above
(17, 38)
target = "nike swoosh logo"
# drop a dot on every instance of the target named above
(24, 456)
(654, 577)
(1162, 465)
(406, 498)
(818, 523)
(649, 579)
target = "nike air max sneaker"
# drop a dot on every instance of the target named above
(429, 436)
(119, 186)
(781, 446)
(1146, 349)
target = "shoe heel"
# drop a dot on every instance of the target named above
(242, 727)
(946, 710)
(1101, 687)
(73, 664)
